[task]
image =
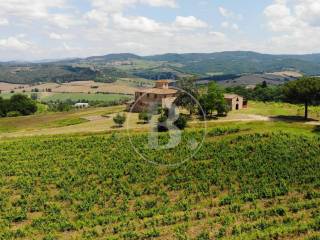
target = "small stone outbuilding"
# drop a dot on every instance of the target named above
(236, 102)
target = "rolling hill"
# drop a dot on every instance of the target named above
(109, 67)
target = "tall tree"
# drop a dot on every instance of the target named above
(305, 90)
(213, 99)
(186, 98)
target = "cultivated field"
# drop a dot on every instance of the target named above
(242, 184)
(84, 96)
(74, 175)
(75, 97)
(122, 86)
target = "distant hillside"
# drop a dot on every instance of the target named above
(248, 79)
(32, 73)
(203, 65)
(242, 62)
(114, 57)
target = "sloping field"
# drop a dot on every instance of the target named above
(10, 86)
(42, 122)
(125, 86)
(240, 185)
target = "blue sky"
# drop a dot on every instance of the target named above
(50, 29)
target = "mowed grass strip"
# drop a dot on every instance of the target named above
(67, 122)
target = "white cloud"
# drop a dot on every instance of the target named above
(139, 24)
(29, 9)
(160, 3)
(56, 28)
(64, 21)
(225, 12)
(218, 35)
(4, 22)
(116, 6)
(309, 11)
(297, 23)
(57, 36)
(189, 22)
(98, 16)
(229, 14)
(13, 43)
(280, 17)
(229, 25)
(231, 17)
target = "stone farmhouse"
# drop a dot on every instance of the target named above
(164, 96)
(161, 95)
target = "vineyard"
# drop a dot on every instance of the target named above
(239, 185)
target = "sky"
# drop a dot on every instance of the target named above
(56, 29)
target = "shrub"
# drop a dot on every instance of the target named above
(119, 119)
(59, 106)
(145, 117)
(13, 114)
(181, 122)
(162, 124)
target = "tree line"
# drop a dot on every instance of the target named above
(305, 90)
(17, 105)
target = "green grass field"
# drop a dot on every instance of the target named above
(46, 120)
(280, 109)
(100, 119)
(242, 184)
(85, 96)
(75, 97)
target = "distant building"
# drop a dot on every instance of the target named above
(82, 105)
(164, 96)
(161, 95)
(236, 102)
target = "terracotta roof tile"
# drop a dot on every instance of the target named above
(158, 91)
